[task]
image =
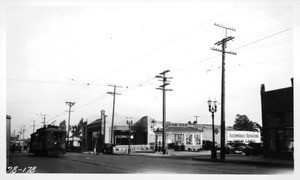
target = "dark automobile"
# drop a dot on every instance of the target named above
(15, 147)
(107, 148)
(235, 148)
(207, 145)
(229, 149)
(253, 149)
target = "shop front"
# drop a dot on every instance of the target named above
(181, 138)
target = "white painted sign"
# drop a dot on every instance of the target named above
(245, 136)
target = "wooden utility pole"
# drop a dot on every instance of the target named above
(223, 43)
(23, 131)
(113, 113)
(44, 119)
(162, 87)
(20, 132)
(70, 104)
(33, 127)
(196, 119)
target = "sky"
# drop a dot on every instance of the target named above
(72, 52)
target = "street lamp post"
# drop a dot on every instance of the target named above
(129, 122)
(153, 122)
(213, 109)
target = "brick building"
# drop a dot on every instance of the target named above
(278, 122)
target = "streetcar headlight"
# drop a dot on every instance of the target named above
(55, 143)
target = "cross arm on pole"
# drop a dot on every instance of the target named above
(224, 40)
(228, 52)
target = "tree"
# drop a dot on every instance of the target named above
(242, 122)
(62, 125)
(76, 129)
(195, 122)
(189, 123)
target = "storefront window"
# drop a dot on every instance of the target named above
(178, 139)
(281, 140)
(188, 139)
(197, 138)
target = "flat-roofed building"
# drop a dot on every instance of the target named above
(278, 121)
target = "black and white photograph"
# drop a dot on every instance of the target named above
(159, 89)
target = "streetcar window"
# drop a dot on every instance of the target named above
(55, 135)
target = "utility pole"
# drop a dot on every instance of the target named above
(196, 119)
(33, 126)
(70, 104)
(113, 113)
(23, 131)
(44, 119)
(162, 87)
(223, 42)
(20, 132)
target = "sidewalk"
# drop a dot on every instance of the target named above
(229, 158)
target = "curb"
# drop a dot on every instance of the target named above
(261, 163)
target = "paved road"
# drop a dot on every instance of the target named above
(89, 163)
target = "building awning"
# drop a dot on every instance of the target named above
(181, 130)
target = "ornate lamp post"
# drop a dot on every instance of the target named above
(129, 122)
(153, 122)
(213, 109)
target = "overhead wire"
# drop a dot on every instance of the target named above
(40, 69)
(166, 45)
(150, 52)
(269, 36)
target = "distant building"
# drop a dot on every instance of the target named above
(278, 121)
(8, 130)
(147, 132)
(180, 134)
(99, 132)
(207, 132)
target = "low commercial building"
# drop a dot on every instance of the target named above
(147, 133)
(8, 130)
(181, 135)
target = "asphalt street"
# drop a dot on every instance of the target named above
(130, 164)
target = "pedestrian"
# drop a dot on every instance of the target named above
(95, 148)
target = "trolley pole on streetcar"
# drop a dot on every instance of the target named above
(70, 104)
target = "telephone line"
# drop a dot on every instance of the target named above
(167, 43)
(252, 42)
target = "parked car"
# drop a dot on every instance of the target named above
(207, 145)
(253, 149)
(107, 148)
(15, 147)
(229, 149)
(235, 148)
